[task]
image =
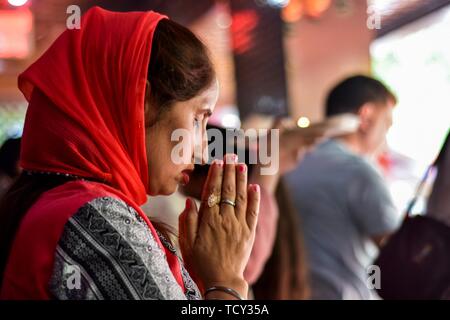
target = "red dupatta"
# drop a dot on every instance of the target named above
(86, 118)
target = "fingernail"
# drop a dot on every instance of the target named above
(242, 167)
(255, 187)
(231, 158)
(188, 203)
(218, 163)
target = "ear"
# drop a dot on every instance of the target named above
(366, 114)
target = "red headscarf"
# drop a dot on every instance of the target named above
(85, 118)
(95, 78)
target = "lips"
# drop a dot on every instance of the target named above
(186, 176)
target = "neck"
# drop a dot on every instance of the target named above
(354, 143)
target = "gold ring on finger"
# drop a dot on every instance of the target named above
(213, 200)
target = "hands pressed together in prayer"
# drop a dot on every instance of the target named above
(216, 240)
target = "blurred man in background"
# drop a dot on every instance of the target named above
(341, 198)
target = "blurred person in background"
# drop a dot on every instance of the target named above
(285, 274)
(341, 197)
(9, 163)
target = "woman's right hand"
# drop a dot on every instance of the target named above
(216, 241)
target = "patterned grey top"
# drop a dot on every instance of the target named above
(107, 251)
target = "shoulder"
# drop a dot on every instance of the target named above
(331, 156)
(47, 217)
(32, 252)
(365, 171)
(114, 253)
(58, 204)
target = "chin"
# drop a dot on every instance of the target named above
(168, 192)
(167, 189)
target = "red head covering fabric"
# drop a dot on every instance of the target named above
(95, 78)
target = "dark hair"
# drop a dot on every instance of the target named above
(9, 157)
(352, 93)
(179, 69)
(174, 76)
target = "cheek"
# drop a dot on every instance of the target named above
(163, 152)
(162, 172)
(189, 144)
(379, 134)
(158, 147)
(152, 159)
(175, 152)
(383, 128)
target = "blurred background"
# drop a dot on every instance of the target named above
(279, 58)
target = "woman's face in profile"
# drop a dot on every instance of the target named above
(171, 162)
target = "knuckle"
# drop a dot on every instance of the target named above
(213, 189)
(228, 189)
(253, 212)
(241, 197)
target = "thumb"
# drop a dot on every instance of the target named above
(188, 224)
